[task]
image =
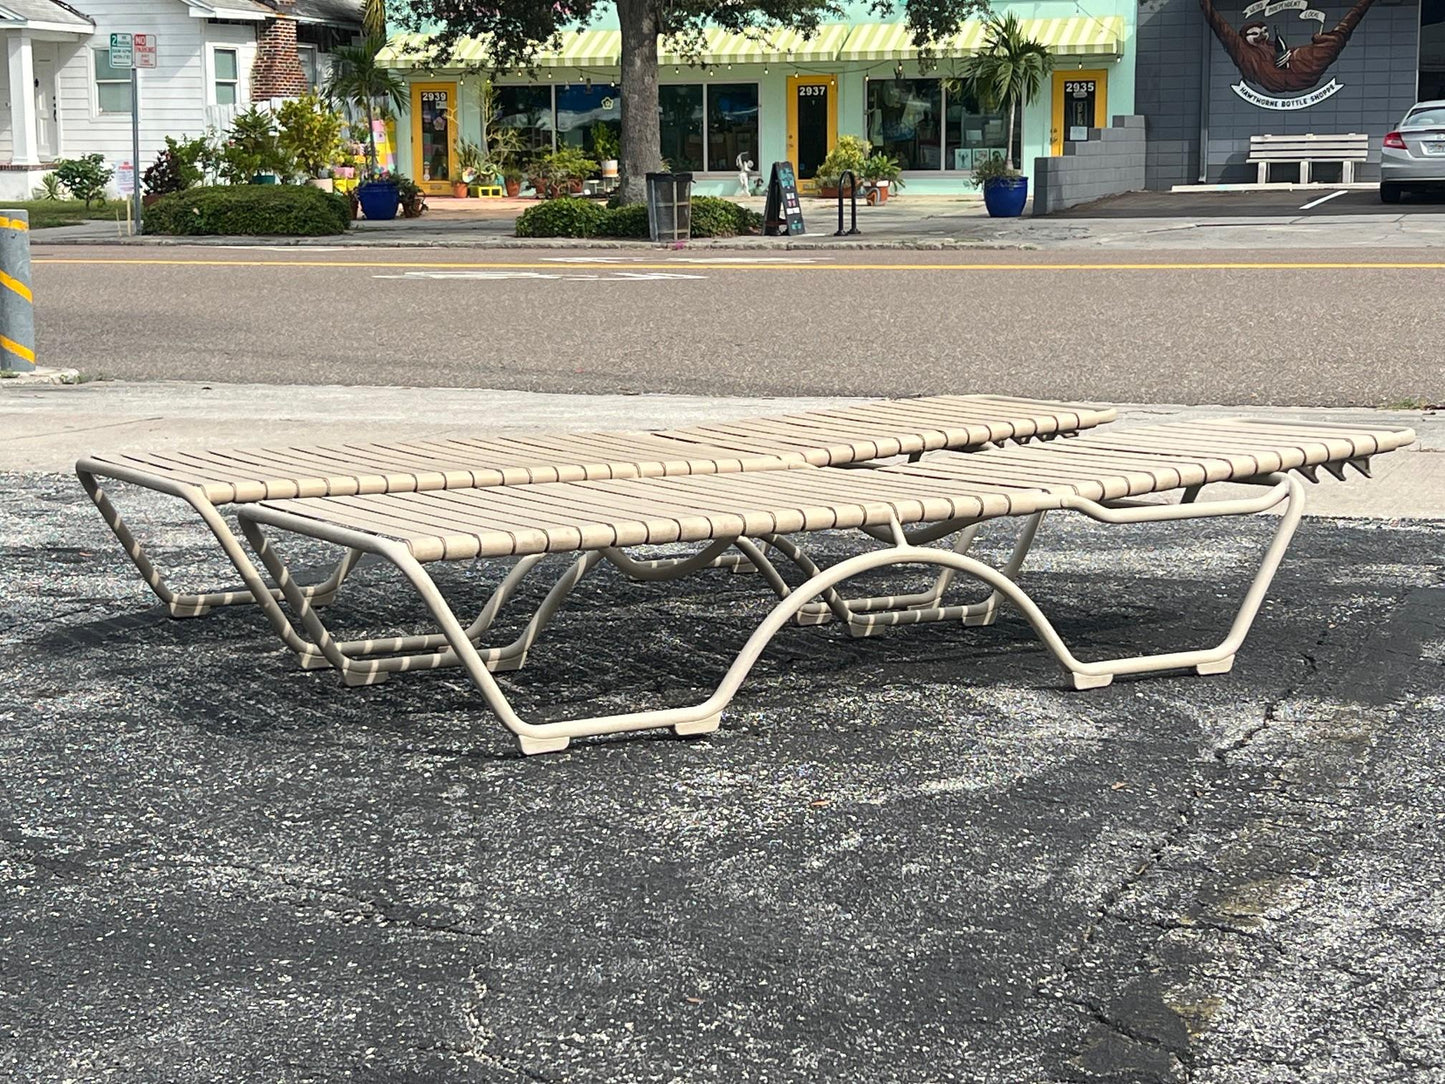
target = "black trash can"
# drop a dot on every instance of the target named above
(669, 206)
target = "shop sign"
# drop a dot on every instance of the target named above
(1275, 73)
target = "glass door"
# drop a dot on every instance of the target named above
(1080, 103)
(433, 136)
(812, 121)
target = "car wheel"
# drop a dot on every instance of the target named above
(1390, 193)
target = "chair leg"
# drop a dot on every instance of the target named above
(194, 604)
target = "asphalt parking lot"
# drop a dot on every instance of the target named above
(914, 858)
(1316, 201)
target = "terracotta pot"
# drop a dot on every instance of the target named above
(513, 186)
(326, 184)
(459, 189)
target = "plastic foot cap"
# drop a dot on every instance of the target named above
(1223, 666)
(506, 666)
(820, 618)
(1091, 681)
(861, 631)
(187, 609)
(313, 662)
(699, 726)
(532, 746)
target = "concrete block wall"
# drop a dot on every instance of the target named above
(1109, 162)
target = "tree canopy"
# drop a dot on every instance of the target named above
(515, 30)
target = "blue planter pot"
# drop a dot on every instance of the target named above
(1006, 198)
(378, 199)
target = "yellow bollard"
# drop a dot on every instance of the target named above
(17, 310)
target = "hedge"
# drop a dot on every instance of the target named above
(251, 210)
(569, 216)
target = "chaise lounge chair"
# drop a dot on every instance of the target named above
(211, 480)
(1097, 474)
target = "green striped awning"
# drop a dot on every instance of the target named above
(764, 46)
(578, 49)
(603, 48)
(1074, 36)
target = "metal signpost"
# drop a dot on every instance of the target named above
(134, 51)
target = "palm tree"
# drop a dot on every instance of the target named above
(373, 18)
(1009, 69)
(357, 79)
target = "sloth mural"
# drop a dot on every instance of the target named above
(1268, 61)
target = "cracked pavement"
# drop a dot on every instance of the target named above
(912, 858)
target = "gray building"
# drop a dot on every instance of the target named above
(1212, 73)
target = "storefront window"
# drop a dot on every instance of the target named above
(732, 124)
(589, 114)
(904, 121)
(973, 135)
(933, 124)
(679, 114)
(528, 109)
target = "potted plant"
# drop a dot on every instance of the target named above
(848, 154)
(881, 174)
(470, 165)
(357, 79)
(1009, 70)
(605, 148)
(311, 137)
(1005, 189)
(502, 145)
(410, 198)
(512, 180)
(561, 172)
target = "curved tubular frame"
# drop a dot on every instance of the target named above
(539, 737)
(184, 604)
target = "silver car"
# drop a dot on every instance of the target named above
(1414, 154)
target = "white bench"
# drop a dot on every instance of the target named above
(1307, 149)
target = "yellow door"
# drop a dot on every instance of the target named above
(1081, 100)
(812, 123)
(434, 136)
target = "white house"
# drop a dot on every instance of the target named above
(59, 97)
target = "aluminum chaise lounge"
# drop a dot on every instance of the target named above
(1096, 474)
(209, 481)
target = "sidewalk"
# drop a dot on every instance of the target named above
(48, 427)
(907, 221)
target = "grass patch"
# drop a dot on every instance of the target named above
(45, 213)
(1416, 402)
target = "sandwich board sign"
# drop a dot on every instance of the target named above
(122, 51)
(144, 50)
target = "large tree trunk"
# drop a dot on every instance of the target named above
(641, 137)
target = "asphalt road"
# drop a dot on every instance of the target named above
(1312, 327)
(912, 858)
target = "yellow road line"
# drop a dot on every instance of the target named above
(1232, 265)
(22, 352)
(16, 286)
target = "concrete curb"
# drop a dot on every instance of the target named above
(41, 376)
(506, 243)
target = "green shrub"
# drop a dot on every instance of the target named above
(85, 177)
(629, 220)
(251, 210)
(565, 216)
(713, 216)
(568, 216)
